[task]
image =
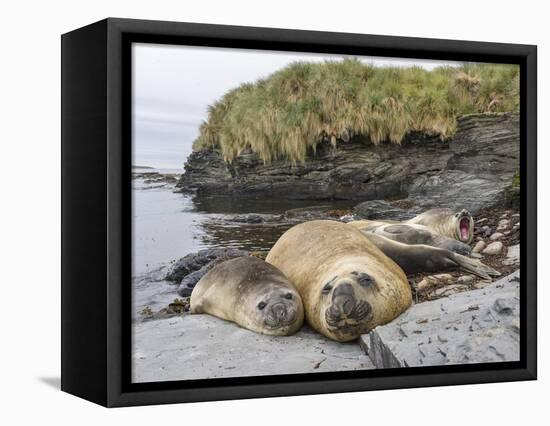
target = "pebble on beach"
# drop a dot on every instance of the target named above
(480, 245)
(465, 279)
(494, 248)
(503, 224)
(496, 236)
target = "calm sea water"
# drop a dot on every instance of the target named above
(167, 225)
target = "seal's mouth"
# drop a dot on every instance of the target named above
(352, 314)
(280, 316)
(464, 227)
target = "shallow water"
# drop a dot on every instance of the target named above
(167, 225)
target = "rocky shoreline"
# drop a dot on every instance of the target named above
(496, 243)
(154, 179)
(475, 168)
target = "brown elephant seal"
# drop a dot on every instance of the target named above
(457, 225)
(251, 293)
(347, 285)
(416, 249)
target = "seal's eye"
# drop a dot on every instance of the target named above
(365, 280)
(327, 288)
(288, 296)
(261, 305)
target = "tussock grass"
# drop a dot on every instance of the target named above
(287, 114)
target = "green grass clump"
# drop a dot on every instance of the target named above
(287, 114)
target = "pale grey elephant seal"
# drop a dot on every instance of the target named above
(251, 293)
(348, 286)
(409, 248)
(457, 225)
(412, 234)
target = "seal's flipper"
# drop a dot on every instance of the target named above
(475, 267)
(414, 258)
(399, 229)
(418, 234)
(451, 244)
(406, 234)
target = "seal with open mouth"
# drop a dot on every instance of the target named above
(347, 285)
(443, 221)
(415, 248)
(252, 293)
(411, 234)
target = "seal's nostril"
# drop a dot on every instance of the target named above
(279, 311)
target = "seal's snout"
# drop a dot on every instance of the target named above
(346, 307)
(279, 315)
(343, 300)
(343, 289)
(279, 312)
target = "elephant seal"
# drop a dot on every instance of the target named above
(457, 225)
(252, 293)
(348, 286)
(416, 249)
(412, 234)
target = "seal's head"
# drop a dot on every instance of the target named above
(275, 309)
(463, 226)
(344, 307)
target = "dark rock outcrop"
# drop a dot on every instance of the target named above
(188, 270)
(473, 169)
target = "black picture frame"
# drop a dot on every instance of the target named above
(96, 197)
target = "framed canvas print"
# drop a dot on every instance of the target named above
(253, 212)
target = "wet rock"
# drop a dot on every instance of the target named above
(255, 218)
(512, 256)
(496, 236)
(469, 327)
(190, 280)
(195, 261)
(494, 248)
(480, 245)
(152, 180)
(380, 209)
(248, 218)
(308, 213)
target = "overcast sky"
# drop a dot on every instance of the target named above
(173, 85)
